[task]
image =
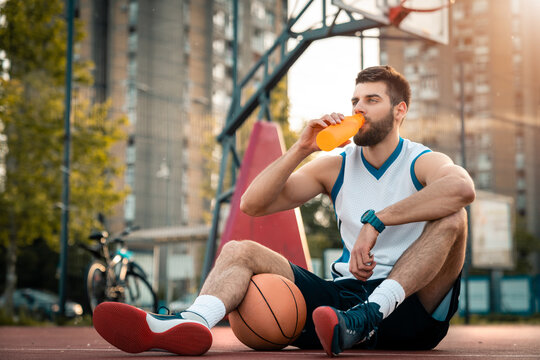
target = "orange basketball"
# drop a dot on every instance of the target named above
(272, 314)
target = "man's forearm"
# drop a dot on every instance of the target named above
(443, 197)
(268, 185)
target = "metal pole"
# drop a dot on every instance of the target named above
(235, 80)
(227, 146)
(467, 265)
(361, 50)
(66, 167)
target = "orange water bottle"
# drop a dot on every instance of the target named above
(335, 135)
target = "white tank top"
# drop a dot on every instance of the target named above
(360, 187)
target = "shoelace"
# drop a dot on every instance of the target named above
(355, 319)
(346, 294)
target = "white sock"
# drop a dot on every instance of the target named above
(208, 307)
(388, 295)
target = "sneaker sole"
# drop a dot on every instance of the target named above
(326, 321)
(125, 327)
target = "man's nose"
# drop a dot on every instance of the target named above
(359, 109)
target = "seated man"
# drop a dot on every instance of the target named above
(400, 211)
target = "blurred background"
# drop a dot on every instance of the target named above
(151, 89)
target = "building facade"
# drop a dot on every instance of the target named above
(489, 67)
(168, 66)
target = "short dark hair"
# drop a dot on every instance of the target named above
(398, 87)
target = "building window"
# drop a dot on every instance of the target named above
(130, 175)
(186, 12)
(185, 209)
(519, 142)
(520, 184)
(219, 19)
(133, 42)
(411, 52)
(521, 203)
(218, 71)
(483, 162)
(480, 6)
(257, 11)
(133, 13)
(219, 46)
(520, 161)
(483, 180)
(458, 11)
(130, 152)
(129, 208)
(516, 41)
(485, 140)
(515, 5)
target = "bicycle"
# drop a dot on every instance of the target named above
(115, 277)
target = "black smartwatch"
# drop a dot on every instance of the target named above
(369, 217)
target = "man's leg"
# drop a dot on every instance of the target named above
(236, 264)
(429, 268)
(432, 264)
(133, 330)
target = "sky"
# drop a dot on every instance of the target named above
(322, 80)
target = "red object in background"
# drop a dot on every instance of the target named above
(282, 232)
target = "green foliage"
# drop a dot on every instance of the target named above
(320, 225)
(526, 245)
(279, 110)
(34, 38)
(32, 114)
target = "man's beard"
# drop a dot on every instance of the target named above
(377, 131)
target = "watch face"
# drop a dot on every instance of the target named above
(365, 216)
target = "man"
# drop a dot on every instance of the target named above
(400, 211)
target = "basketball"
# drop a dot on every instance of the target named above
(272, 314)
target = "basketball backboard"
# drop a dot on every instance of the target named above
(432, 25)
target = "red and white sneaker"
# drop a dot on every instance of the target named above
(133, 330)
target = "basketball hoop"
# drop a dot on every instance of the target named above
(425, 19)
(400, 12)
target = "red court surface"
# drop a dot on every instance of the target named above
(462, 342)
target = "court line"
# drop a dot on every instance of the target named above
(292, 352)
(54, 349)
(414, 355)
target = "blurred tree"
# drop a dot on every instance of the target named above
(33, 38)
(527, 246)
(320, 224)
(279, 110)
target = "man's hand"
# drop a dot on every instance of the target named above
(362, 262)
(309, 135)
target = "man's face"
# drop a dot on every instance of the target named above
(372, 101)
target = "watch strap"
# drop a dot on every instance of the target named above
(369, 217)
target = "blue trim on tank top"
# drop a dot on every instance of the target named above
(339, 180)
(415, 181)
(378, 173)
(344, 258)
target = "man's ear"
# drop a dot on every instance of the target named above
(400, 111)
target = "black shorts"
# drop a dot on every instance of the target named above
(409, 327)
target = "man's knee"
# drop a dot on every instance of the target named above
(455, 223)
(239, 250)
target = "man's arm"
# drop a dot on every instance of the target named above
(277, 188)
(448, 188)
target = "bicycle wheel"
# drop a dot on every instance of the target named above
(139, 293)
(96, 284)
